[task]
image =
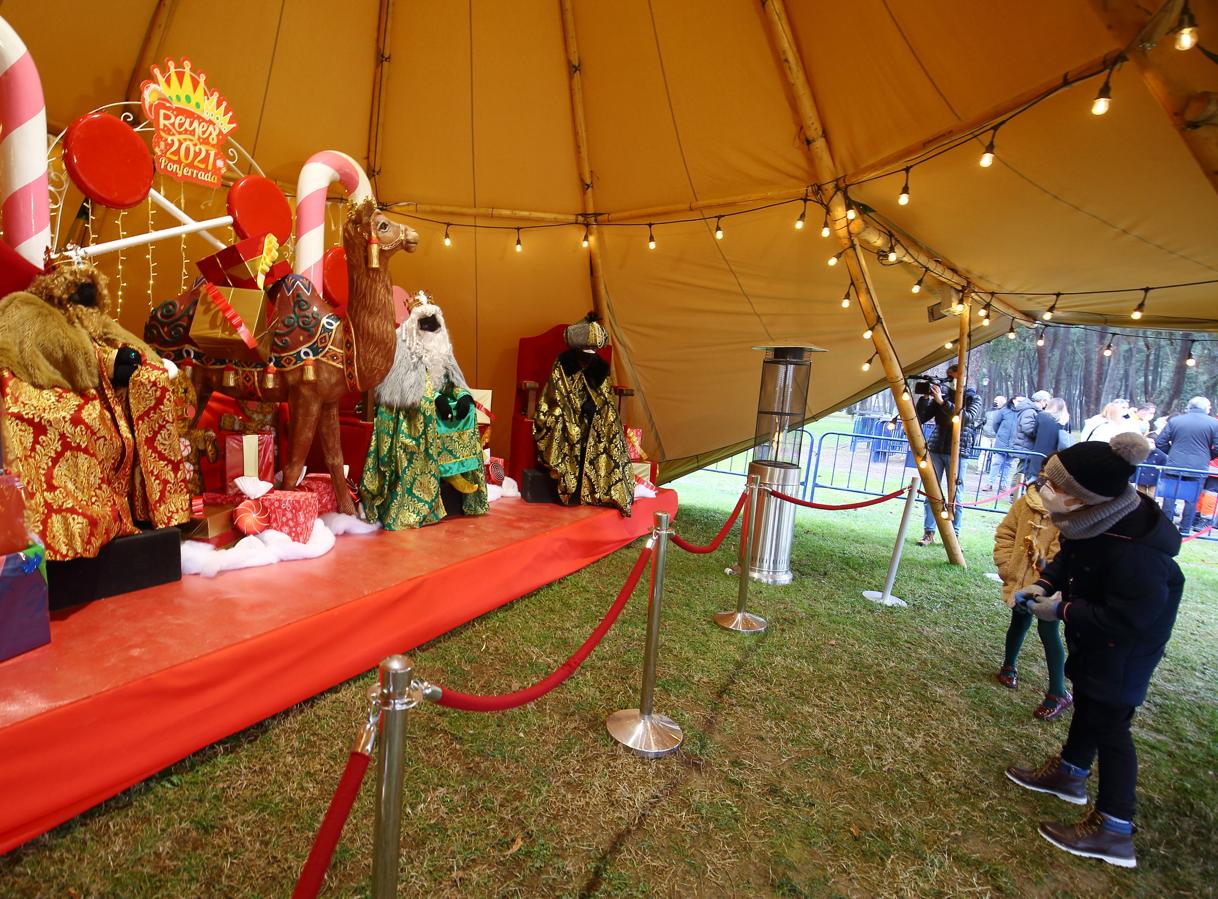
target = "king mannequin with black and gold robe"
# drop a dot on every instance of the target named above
(577, 428)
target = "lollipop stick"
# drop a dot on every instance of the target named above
(155, 196)
(137, 240)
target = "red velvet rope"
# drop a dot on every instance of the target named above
(832, 508)
(718, 541)
(990, 499)
(1196, 534)
(318, 862)
(471, 703)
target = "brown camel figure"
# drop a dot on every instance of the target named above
(359, 353)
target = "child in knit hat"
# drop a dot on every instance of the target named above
(1116, 585)
(1023, 545)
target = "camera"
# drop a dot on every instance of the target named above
(922, 384)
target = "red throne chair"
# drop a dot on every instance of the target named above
(534, 362)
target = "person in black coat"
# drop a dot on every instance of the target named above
(1044, 444)
(1190, 441)
(1116, 585)
(939, 405)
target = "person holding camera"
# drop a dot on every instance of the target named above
(1116, 585)
(938, 405)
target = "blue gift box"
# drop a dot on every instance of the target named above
(25, 621)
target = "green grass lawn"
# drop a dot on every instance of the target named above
(851, 750)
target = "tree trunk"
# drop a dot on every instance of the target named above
(1177, 379)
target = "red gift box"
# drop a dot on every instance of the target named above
(495, 472)
(247, 455)
(634, 445)
(244, 264)
(323, 486)
(292, 512)
(213, 524)
(13, 534)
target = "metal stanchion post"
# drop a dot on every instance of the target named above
(648, 734)
(396, 702)
(886, 598)
(740, 620)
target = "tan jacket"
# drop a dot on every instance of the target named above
(1024, 543)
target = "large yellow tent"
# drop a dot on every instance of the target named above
(686, 115)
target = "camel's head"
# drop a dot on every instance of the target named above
(369, 226)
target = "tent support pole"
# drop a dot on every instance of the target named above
(824, 171)
(600, 292)
(958, 418)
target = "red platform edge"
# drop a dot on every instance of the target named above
(61, 762)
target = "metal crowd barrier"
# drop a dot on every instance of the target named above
(738, 465)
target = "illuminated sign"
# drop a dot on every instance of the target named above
(190, 124)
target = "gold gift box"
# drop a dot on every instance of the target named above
(211, 332)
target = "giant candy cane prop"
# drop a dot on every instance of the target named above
(26, 209)
(319, 171)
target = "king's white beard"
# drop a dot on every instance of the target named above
(421, 357)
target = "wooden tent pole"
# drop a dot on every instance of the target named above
(825, 171)
(958, 418)
(600, 292)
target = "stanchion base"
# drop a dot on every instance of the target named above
(745, 622)
(772, 578)
(878, 596)
(650, 736)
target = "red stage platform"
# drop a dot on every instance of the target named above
(131, 684)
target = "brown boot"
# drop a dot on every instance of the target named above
(1091, 839)
(1051, 778)
(928, 538)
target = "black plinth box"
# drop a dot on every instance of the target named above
(124, 564)
(536, 486)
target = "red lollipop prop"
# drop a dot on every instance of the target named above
(259, 207)
(334, 278)
(108, 161)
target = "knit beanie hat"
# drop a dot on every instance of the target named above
(1095, 471)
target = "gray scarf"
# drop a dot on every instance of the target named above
(1091, 521)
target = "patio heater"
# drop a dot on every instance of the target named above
(786, 373)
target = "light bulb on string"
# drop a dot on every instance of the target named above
(892, 425)
(851, 212)
(651, 238)
(448, 241)
(917, 288)
(903, 198)
(587, 238)
(836, 256)
(892, 249)
(947, 345)
(1141, 307)
(1103, 99)
(905, 394)
(985, 315)
(519, 245)
(803, 215)
(867, 364)
(1011, 331)
(1108, 348)
(922, 463)
(955, 419)
(1047, 315)
(1186, 29)
(846, 298)
(1190, 361)
(825, 230)
(987, 158)
(944, 515)
(719, 228)
(867, 334)
(1040, 336)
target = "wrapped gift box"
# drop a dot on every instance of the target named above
(323, 486)
(247, 455)
(292, 512)
(634, 445)
(25, 621)
(244, 264)
(213, 524)
(495, 472)
(482, 410)
(13, 534)
(645, 473)
(232, 323)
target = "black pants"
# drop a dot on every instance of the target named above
(1098, 728)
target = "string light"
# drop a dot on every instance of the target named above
(892, 424)
(987, 158)
(1186, 29)
(587, 238)
(1047, 315)
(122, 283)
(903, 198)
(985, 315)
(836, 256)
(944, 515)
(182, 239)
(151, 256)
(1011, 331)
(803, 214)
(1141, 307)
(867, 334)
(846, 298)
(917, 288)
(1103, 99)
(922, 463)
(851, 212)
(1190, 361)
(448, 241)
(651, 238)
(1108, 348)
(892, 249)
(519, 245)
(825, 230)
(719, 228)
(955, 419)
(867, 364)
(1040, 336)
(949, 344)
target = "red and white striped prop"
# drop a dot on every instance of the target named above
(319, 171)
(25, 204)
